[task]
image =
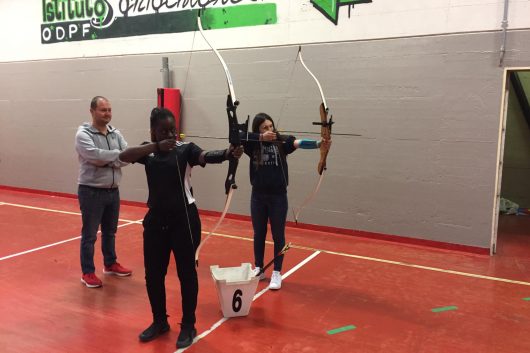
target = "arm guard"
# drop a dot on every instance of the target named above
(309, 144)
(216, 157)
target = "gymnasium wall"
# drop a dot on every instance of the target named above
(421, 83)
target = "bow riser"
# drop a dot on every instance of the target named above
(325, 133)
(234, 139)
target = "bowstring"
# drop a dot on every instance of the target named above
(184, 197)
(278, 126)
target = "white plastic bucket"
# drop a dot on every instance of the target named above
(236, 287)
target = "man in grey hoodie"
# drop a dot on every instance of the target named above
(98, 146)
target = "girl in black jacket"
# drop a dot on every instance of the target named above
(269, 176)
(172, 223)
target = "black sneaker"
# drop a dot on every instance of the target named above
(153, 331)
(186, 336)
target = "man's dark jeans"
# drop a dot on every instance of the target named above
(98, 207)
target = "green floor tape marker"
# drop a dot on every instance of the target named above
(444, 308)
(527, 299)
(341, 329)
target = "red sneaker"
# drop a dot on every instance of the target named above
(91, 280)
(117, 270)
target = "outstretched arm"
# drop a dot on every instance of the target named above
(132, 154)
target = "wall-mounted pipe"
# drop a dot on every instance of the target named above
(504, 26)
(165, 72)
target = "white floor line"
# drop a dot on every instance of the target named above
(436, 269)
(55, 244)
(54, 211)
(428, 268)
(391, 262)
(288, 273)
(225, 319)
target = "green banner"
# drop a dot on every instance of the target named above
(103, 24)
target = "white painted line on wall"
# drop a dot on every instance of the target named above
(225, 319)
(55, 244)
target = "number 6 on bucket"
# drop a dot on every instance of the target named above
(236, 300)
(236, 287)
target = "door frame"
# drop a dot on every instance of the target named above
(500, 153)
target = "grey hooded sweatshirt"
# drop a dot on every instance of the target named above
(99, 156)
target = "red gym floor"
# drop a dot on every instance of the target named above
(351, 295)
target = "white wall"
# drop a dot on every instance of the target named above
(298, 22)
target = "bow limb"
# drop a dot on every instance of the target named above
(325, 134)
(227, 204)
(308, 199)
(223, 63)
(314, 78)
(233, 138)
(231, 106)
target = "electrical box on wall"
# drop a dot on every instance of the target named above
(170, 99)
